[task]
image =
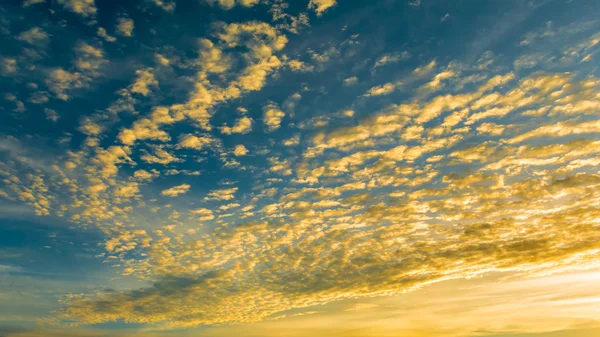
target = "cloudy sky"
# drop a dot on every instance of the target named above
(299, 168)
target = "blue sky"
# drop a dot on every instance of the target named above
(322, 167)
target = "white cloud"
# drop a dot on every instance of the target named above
(144, 81)
(242, 125)
(350, 81)
(380, 90)
(51, 114)
(168, 6)
(82, 7)
(392, 58)
(204, 214)
(28, 3)
(124, 27)
(193, 142)
(103, 34)
(240, 150)
(35, 36)
(176, 190)
(228, 4)
(297, 65)
(223, 194)
(8, 65)
(272, 116)
(160, 156)
(320, 6)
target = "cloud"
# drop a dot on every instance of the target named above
(193, 142)
(34, 36)
(87, 65)
(89, 59)
(392, 58)
(292, 141)
(240, 150)
(350, 81)
(51, 114)
(160, 156)
(143, 175)
(203, 214)
(471, 170)
(143, 82)
(176, 190)
(380, 90)
(85, 8)
(168, 6)
(90, 127)
(103, 34)
(272, 116)
(60, 81)
(149, 127)
(228, 4)
(127, 190)
(221, 195)
(297, 65)
(242, 125)
(124, 27)
(8, 65)
(558, 130)
(28, 3)
(320, 6)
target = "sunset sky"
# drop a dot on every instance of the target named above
(337, 168)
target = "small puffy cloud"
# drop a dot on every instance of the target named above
(350, 81)
(89, 59)
(127, 190)
(255, 76)
(392, 58)
(272, 116)
(491, 129)
(242, 125)
(168, 6)
(149, 128)
(203, 214)
(143, 175)
(8, 65)
(90, 127)
(297, 65)
(436, 82)
(320, 6)
(221, 195)
(176, 190)
(124, 27)
(60, 81)
(84, 8)
(193, 142)
(240, 150)
(380, 90)
(51, 114)
(228, 4)
(160, 157)
(103, 34)
(28, 3)
(35, 36)
(292, 141)
(143, 82)
(161, 60)
(39, 97)
(424, 70)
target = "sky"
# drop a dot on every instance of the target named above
(299, 168)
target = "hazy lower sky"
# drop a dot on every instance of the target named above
(262, 168)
